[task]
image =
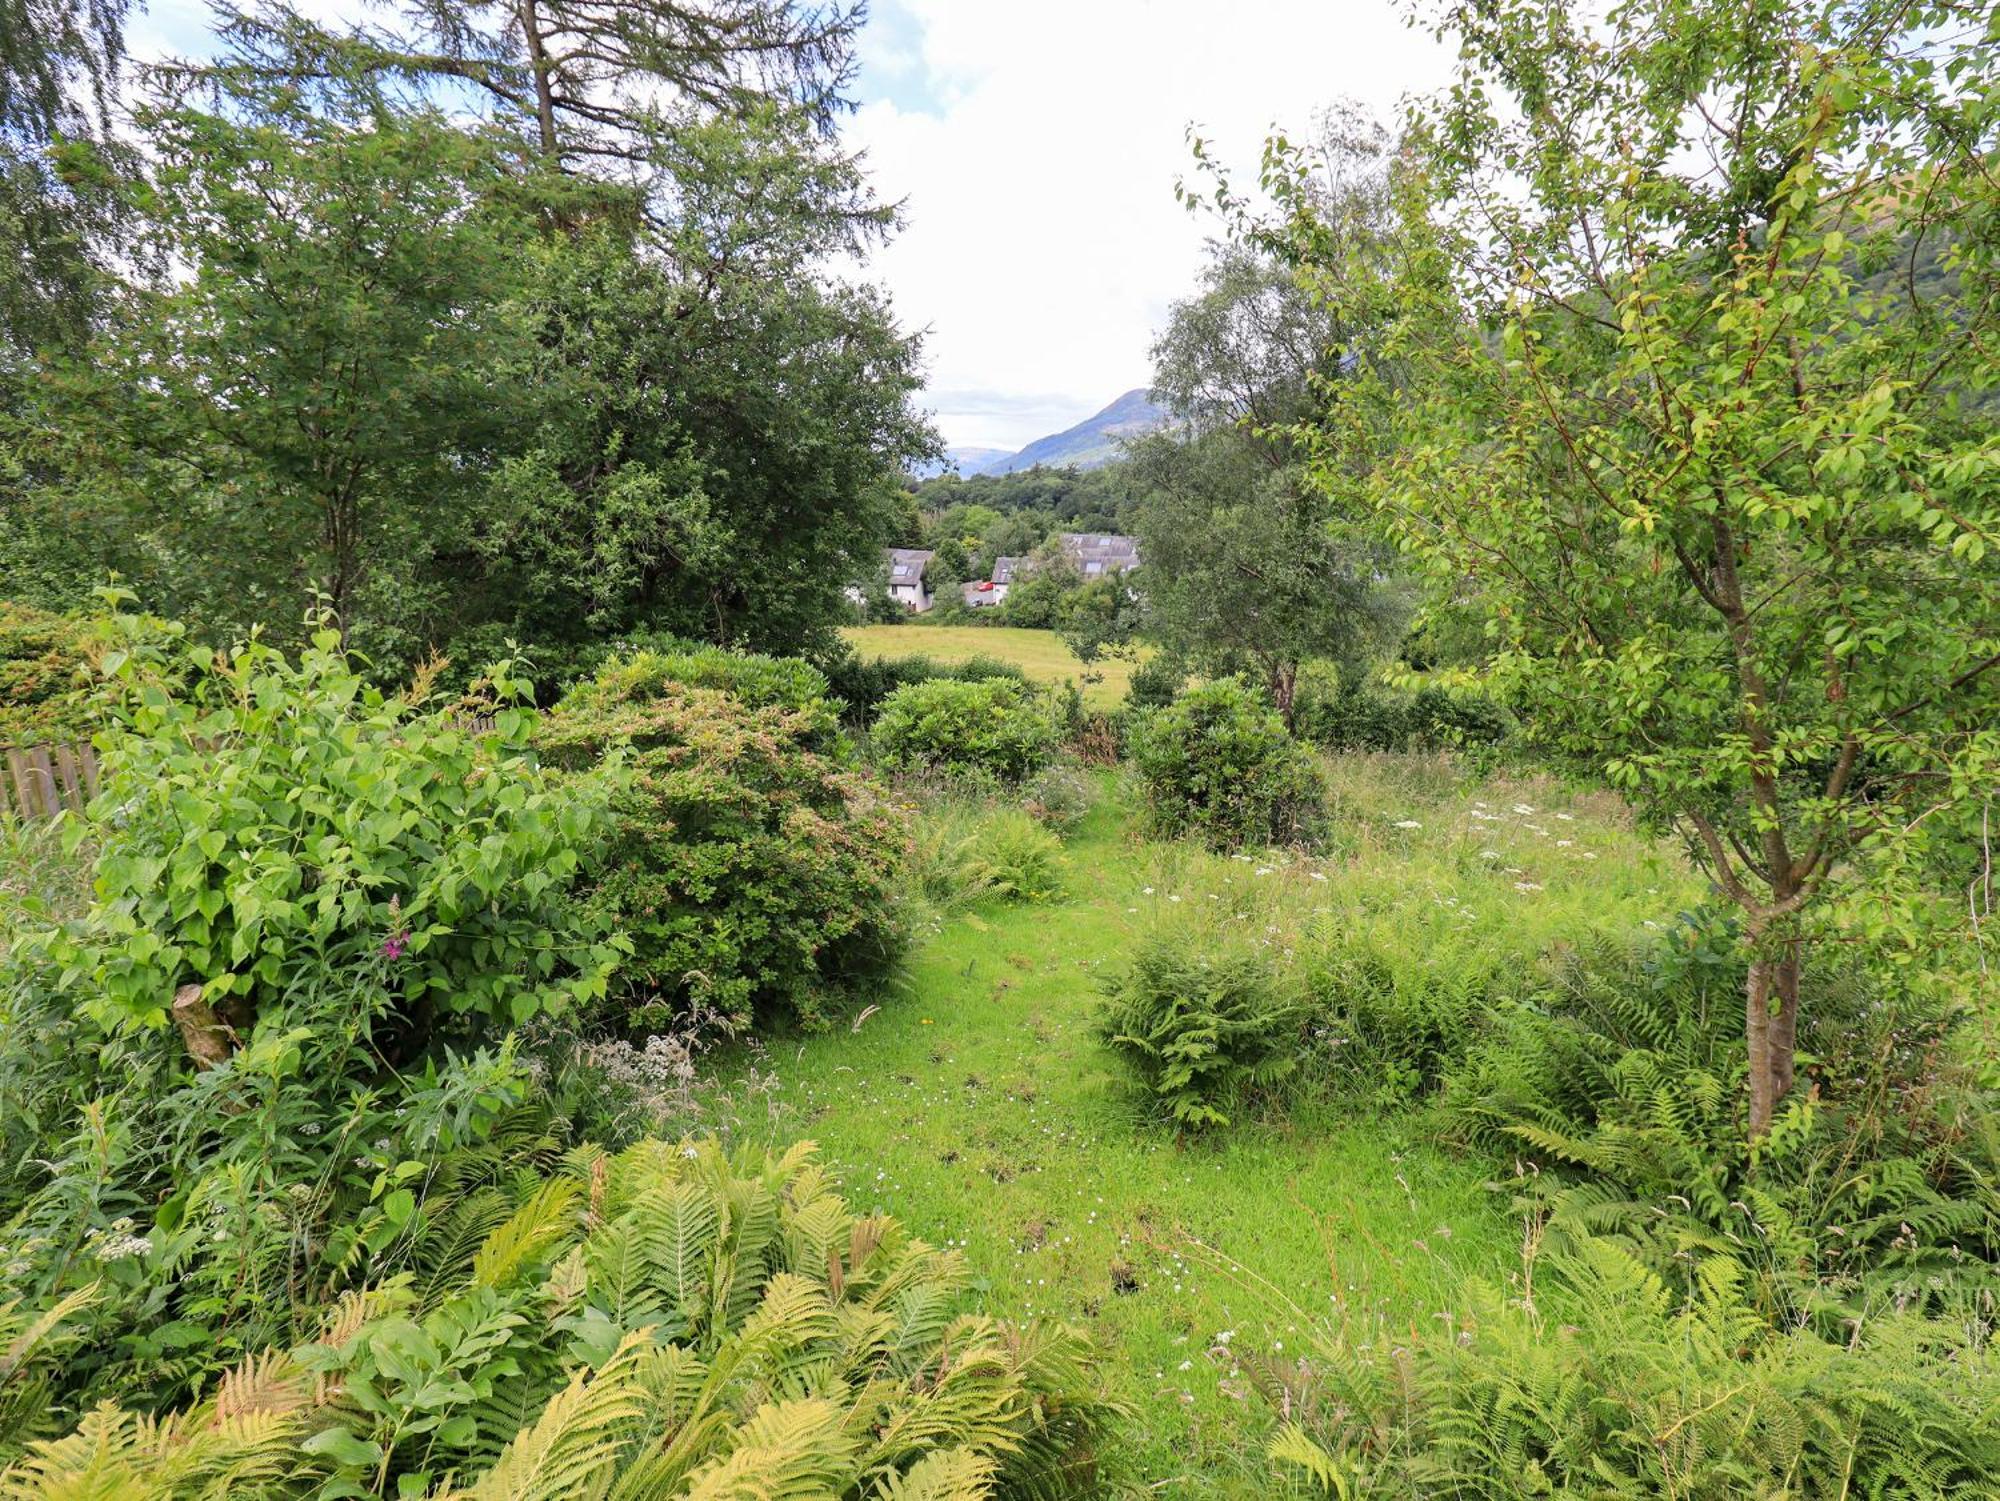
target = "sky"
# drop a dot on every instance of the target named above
(1035, 145)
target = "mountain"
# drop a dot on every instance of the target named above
(1092, 442)
(967, 461)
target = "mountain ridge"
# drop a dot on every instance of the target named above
(1089, 444)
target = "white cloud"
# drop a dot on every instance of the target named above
(1038, 164)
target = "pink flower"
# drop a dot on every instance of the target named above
(394, 944)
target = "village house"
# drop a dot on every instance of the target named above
(1098, 553)
(907, 585)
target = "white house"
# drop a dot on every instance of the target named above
(907, 586)
(1005, 571)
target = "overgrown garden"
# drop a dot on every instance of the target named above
(1496, 1003)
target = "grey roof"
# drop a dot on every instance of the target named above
(1101, 552)
(1005, 568)
(906, 566)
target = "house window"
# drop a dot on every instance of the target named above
(1093, 568)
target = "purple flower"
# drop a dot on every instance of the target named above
(394, 944)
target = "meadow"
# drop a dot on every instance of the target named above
(1042, 655)
(979, 1106)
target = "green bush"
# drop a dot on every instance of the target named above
(962, 853)
(759, 681)
(1621, 1078)
(861, 684)
(752, 866)
(1394, 1020)
(1352, 716)
(994, 727)
(45, 676)
(1199, 1024)
(1156, 681)
(1217, 763)
(265, 822)
(668, 1321)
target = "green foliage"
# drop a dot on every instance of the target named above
(1059, 796)
(1200, 1024)
(266, 821)
(862, 683)
(1219, 764)
(45, 676)
(990, 727)
(963, 853)
(1354, 716)
(757, 681)
(1156, 680)
(752, 866)
(205, 418)
(670, 1319)
(1618, 1075)
(1660, 388)
(1609, 1381)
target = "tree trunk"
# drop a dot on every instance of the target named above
(1285, 690)
(538, 58)
(1771, 1025)
(203, 1033)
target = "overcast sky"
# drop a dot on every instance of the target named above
(1035, 144)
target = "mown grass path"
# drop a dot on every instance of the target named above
(980, 1108)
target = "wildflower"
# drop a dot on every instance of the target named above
(1408, 823)
(1589, 854)
(1567, 817)
(394, 945)
(1176, 896)
(1147, 892)
(1523, 809)
(1263, 870)
(1527, 886)
(927, 1021)
(1319, 875)
(1489, 854)
(1563, 844)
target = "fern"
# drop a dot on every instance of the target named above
(699, 1363)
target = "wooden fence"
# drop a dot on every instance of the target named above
(39, 781)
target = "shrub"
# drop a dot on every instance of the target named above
(1198, 1025)
(1156, 681)
(670, 1320)
(759, 681)
(1353, 716)
(963, 853)
(995, 727)
(1622, 1082)
(1218, 764)
(1059, 796)
(751, 870)
(862, 684)
(45, 676)
(1396, 1019)
(264, 823)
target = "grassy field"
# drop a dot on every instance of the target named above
(1041, 654)
(980, 1108)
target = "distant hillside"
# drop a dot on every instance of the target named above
(966, 461)
(1091, 442)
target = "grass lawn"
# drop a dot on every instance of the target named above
(979, 1107)
(1041, 654)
